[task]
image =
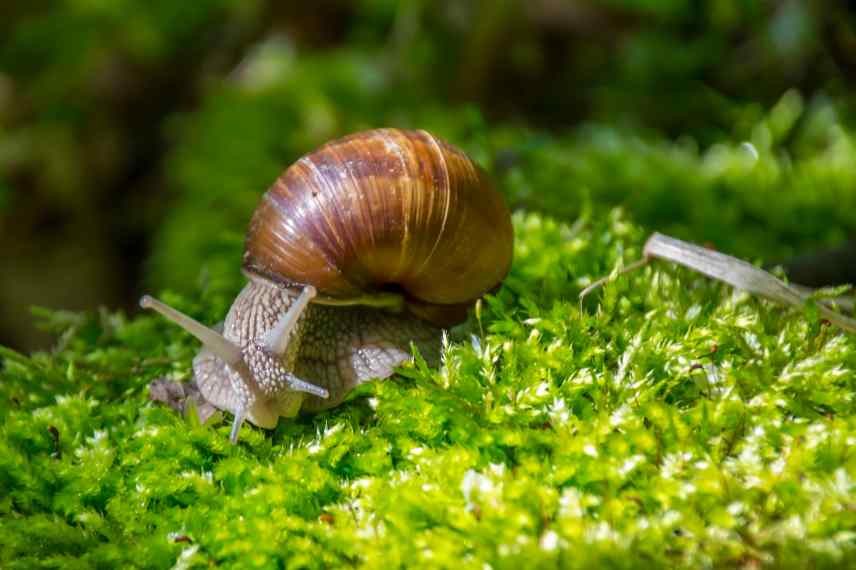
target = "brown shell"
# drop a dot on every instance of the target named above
(383, 210)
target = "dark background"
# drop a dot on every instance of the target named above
(123, 124)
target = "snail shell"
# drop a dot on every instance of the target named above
(381, 211)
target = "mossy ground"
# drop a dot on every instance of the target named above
(672, 422)
(668, 421)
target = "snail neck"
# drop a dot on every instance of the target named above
(388, 300)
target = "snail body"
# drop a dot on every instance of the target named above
(371, 242)
(333, 347)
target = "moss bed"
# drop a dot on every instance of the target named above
(669, 421)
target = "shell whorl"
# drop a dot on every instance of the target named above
(382, 210)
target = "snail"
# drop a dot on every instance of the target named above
(370, 243)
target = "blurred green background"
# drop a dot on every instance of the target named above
(136, 136)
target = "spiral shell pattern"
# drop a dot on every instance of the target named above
(385, 210)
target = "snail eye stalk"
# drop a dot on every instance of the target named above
(276, 339)
(213, 341)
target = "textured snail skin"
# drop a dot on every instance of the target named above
(334, 347)
(386, 209)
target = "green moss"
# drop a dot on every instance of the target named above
(672, 422)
